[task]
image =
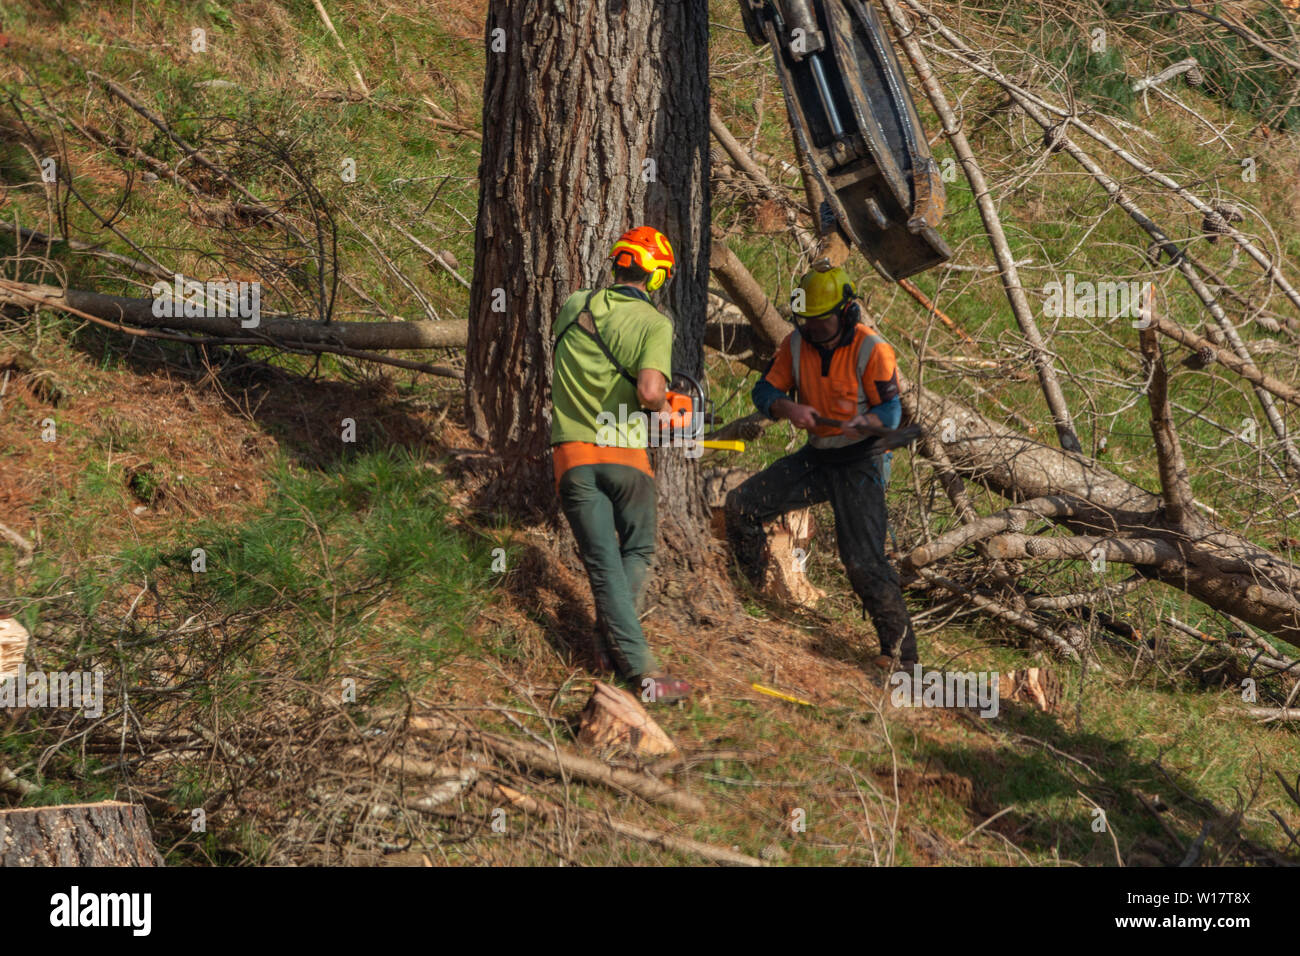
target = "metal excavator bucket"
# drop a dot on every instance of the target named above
(853, 116)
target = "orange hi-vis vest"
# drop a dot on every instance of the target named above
(854, 378)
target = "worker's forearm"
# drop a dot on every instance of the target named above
(890, 413)
(765, 395)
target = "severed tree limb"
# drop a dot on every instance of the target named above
(1033, 108)
(1247, 34)
(1065, 602)
(747, 294)
(1010, 276)
(1252, 657)
(1082, 547)
(926, 303)
(329, 25)
(1174, 481)
(294, 332)
(978, 529)
(1217, 353)
(85, 248)
(1267, 714)
(1223, 569)
(257, 206)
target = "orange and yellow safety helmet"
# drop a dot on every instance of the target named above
(649, 249)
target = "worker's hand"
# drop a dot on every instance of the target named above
(802, 416)
(851, 428)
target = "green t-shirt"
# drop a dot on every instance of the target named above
(586, 384)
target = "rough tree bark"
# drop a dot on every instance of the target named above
(90, 834)
(595, 119)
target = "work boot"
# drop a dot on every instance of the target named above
(660, 688)
(885, 664)
(604, 665)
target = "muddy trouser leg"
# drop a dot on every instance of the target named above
(858, 497)
(790, 483)
(611, 509)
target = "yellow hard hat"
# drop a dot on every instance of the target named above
(822, 291)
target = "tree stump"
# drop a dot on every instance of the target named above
(88, 834)
(13, 645)
(1036, 685)
(614, 720)
(784, 577)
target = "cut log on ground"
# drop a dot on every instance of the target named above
(88, 834)
(614, 721)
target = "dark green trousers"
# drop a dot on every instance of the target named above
(856, 490)
(611, 509)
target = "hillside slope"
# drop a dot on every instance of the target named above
(346, 585)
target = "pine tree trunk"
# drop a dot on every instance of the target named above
(595, 119)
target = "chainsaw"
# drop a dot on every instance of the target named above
(689, 411)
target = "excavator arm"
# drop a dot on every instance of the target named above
(853, 117)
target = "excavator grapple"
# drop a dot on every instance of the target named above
(854, 118)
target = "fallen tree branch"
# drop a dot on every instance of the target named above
(1220, 568)
(769, 189)
(1174, 481)
(658, 838)
(747, 294)
(363, 336)
(1167, 74)
(1247, 370)
(994, 609)
(978, 529)
(561, 763)
(338, 40)
(1081, 547)
(1254, 657)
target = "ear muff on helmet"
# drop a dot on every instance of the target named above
(657, 279)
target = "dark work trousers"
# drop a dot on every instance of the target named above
(611, 509)
(856, 491)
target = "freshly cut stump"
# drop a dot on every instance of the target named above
(13, 645)
(785, 579)
(1037, 686)
(86, 834)
(614, 720)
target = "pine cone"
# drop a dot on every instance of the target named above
(1201, 358)
(1216, 221)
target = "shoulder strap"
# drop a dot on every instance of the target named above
(586, 323)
